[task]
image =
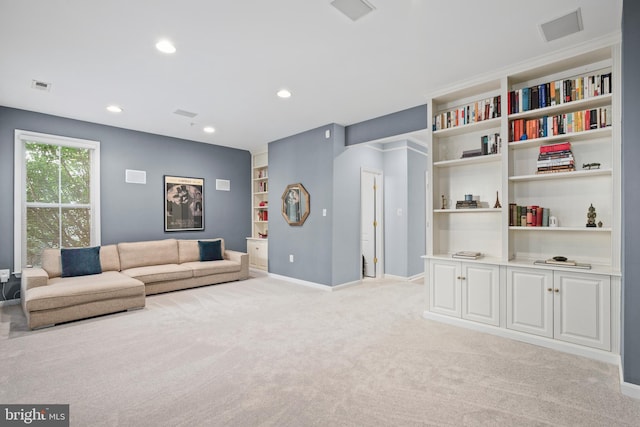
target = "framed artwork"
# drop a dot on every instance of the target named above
(183, 203)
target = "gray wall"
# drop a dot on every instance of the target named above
(132, 212)
(405, 164)
(346, 195)
(398, 123)
(306, 158)
(630, 193)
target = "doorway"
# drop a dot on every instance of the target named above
(371, 226)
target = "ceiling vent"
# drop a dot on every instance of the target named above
(37, 84)
(185, 113)
(354, 9)
(563, 26)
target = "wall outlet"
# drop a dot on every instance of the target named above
(4, 275)
(290, 258)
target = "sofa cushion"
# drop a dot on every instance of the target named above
(206, 268)
(52, 264)
(141, 254)
(109, 258)
(80, 261)
(69, 291)
(159, 273)
(189, 250)
(210, 251)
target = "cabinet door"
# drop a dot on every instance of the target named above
(530, 301)
(252, 250)
(582, 305)
(262, 255)
(444, 288)
(481, 293)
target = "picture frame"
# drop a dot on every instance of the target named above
(295, 204)
(183, 203)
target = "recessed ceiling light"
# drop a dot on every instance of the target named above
(165, 46)
(114, 109)
(284, 93)
(209, 129)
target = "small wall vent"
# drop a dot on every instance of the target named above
(37, 84)
(563, 26)
(354, 9)
(185, 113)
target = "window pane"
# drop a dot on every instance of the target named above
(75, 173)
(42, 162)
(76, 228)
(43, 231)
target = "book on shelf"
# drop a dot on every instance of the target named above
(466, 204)
(467, 255)
(568, 263)
(472, 153)
(558, 92)
(528, 216)
(474, 112)
(559, 124)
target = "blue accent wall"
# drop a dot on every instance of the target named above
(630, 193)
(131, 212)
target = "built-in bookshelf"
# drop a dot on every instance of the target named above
(257, 244)
(557, 155)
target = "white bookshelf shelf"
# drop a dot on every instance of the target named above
(561, 175)
(586, 135)
(582, 104)
(472, 127)
(468, 161)
(558, 229)
(470, 210)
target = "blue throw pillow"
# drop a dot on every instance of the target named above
(80, 261)
(210, 250)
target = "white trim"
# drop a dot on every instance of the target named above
(19, 228)
(403, 278)
(327, 288)
(628, 389)
(578, 350)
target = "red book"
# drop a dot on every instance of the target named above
(538, 217)
(561, 146)
(530, 222)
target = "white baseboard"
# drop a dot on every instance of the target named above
(315, 285)
(578, 350)
(404, 279)
(628, 389)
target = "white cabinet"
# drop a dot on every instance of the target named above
(567, 306)
(582, 309)
(467, 290)
(258, 251)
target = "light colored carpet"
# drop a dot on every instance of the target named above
(264, 352)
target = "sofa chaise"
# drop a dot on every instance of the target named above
(123, 275)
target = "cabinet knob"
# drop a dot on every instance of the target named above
(459, 277)
(549, 290)
(557, 290)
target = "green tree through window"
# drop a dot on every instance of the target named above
(58, 208)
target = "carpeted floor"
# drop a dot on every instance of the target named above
(264, 352)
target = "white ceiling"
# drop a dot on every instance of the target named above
(233, 56)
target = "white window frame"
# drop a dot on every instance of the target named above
(20, 177)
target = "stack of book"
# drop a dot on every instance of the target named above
(467, 255)
(466, 204)
(556, 158)
(560, 124)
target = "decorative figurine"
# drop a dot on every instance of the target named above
(497, 205)
(591, 216)
(593, 165)
(599, 224)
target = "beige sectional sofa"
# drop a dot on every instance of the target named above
(129, 272)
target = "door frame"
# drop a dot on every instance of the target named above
(379, 233)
